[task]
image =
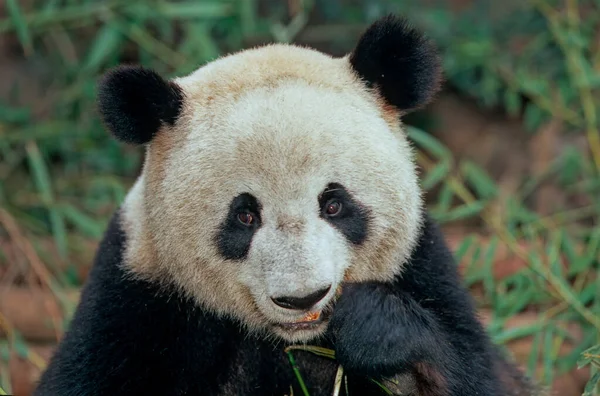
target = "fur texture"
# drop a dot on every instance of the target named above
(274, 179)
(135, 337)
(288, 126)
(399, 61)
(134, 102)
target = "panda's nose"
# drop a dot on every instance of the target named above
(303, 303)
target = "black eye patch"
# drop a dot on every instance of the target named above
(351, 219)
(235, 234)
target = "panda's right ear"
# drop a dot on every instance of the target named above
(135, 102)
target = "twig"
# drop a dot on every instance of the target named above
(337, 385)
(38, 267)
(25, 246)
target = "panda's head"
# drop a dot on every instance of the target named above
(275, 174)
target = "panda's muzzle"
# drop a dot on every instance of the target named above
(301, 303)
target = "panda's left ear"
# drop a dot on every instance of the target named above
(399, 62)
(135, 102)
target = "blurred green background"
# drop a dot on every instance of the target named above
(509, 153)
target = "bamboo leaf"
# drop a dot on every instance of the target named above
(461, 212)
(589, 355)
(429, 143)
(108, 42)
(435, 175)
(479, 180)
(591, 388)
(83, 222)
(14, 12)
(42, 180)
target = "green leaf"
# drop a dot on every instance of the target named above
(588, 294)
(535, 350)
(19, 345)
(568, 362)
(83, 222)
(14, 114)
(325, 352)
(589, 355)
(568, 249)
(383, 387)
(554, 254)
(515, 333)
(548, 357)
(108, 41)
(488, 262)
(591, 388)
(429, 143)
(581, 263)
(479, 180)
(195, 9)
(520, 297)
(512, 102)
(464, 246)
(247, 17)
(4, 350)
(534, 86)
(204, 46)
(462, 212)
(490, 86)
(14, 12)
(445, 198)
(42, 180)
(296, 370)
(571, 164)
(534, 117)
(435, 175)
(474, 276)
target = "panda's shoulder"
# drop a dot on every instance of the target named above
(432, 250)
(132, 328)
(112, 287)
(432, 271)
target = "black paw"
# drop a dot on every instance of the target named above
(379, 333)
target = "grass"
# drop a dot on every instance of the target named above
(61, 175)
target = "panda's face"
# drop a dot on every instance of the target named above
(281, 177)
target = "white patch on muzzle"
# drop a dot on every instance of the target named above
(294, 263)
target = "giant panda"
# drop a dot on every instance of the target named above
(278, 206)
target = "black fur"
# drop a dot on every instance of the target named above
(134, 102)
(424, 317)
(234, 238)
(353, 220)
(399, 61)
(129, 337)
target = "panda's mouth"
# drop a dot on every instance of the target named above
(322, 319)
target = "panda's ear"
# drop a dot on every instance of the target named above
(135, 102)
(399, 62)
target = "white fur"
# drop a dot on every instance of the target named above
(279, 122)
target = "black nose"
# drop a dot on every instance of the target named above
(301, 302)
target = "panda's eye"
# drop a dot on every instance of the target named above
(333, 207)
(246, 218)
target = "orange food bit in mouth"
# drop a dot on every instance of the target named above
(311, 316)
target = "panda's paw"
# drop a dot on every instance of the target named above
(379, 333)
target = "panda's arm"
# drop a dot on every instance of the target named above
(423, 324)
